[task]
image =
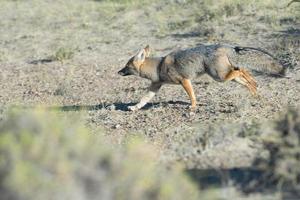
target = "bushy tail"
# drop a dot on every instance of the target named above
(258, 60)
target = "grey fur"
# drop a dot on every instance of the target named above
(205, 59)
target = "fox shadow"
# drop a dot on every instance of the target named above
(119, 106)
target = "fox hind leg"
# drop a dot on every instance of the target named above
(248, 77)
(243, 81)
(243, 77)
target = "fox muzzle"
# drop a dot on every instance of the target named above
(124, 72)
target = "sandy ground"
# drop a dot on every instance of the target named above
(102, 43)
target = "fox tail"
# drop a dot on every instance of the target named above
(258, 60)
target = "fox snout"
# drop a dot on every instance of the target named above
(124, 72)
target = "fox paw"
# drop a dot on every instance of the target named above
(192, 108)
(133, 108)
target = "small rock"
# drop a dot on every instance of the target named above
(192, 113)
(185, 114)
(189, 114)
(117, 126)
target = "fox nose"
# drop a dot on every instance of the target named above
(121, 73)
(124, 72)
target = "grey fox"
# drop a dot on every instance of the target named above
(221, 62)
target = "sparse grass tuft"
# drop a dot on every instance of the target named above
(63, 53)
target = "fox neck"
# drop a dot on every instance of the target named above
(149, 69)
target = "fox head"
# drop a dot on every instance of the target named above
(133, 66)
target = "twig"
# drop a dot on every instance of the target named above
(291, 2)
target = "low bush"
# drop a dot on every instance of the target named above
(44, 155)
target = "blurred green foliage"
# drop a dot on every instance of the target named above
(126, 1)
(44, 155)
(282, 141)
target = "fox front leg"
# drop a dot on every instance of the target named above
(187, 85)
(153, 89)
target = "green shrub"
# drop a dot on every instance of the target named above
(47, 156)
(282, 141)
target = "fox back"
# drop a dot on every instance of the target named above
(217, 60)
(211, 59)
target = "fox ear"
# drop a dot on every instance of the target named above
(140, 56)
(147, 50)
